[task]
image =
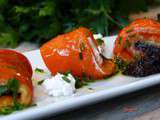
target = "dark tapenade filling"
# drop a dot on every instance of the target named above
(148, 64)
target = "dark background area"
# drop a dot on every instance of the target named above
(40, 20)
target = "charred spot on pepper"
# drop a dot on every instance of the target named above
(81, 56)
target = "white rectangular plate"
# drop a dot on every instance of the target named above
(101, 90)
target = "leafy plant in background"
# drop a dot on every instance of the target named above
(40, 20)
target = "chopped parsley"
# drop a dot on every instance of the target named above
(40, 82)
(127, 44)
(79, 83)
(15, 107)
(11, 87)
(3, 90)
(100, 41)
(120, 64)
(84, 77)
(87, 79)
(91, 79)
(119, 40)
(67, 72)
(66, 79)
(129, 30)
(33, 105)
(90, 88)
(38, 70)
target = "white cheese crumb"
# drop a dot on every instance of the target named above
(98, 36)
(57, 86)
(96, 51)
(101, 47)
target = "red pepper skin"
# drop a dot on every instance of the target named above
(63, 53)
(139, 30)
(15, 65)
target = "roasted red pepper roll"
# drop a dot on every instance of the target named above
(78, 52)
(15, 79)
(137, 48)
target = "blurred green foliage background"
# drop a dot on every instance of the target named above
(40, 20)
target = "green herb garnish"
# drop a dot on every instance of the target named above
(87, 79)
(67, 72)
(100, 41)
(11, 87)
(91, 79)
(10, 109)
(38, 70)
(127, 44)
(120, 64)
(84, 77)
(79, 82)
(90, 88)
(40, 82)
(18, 106)
(66, 79)
(129, 30)
(15, 107)
(119, 40)
(33, 105)
(6, 110)
(3, 90)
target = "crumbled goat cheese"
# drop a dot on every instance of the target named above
(98, 36)
(60, 85)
